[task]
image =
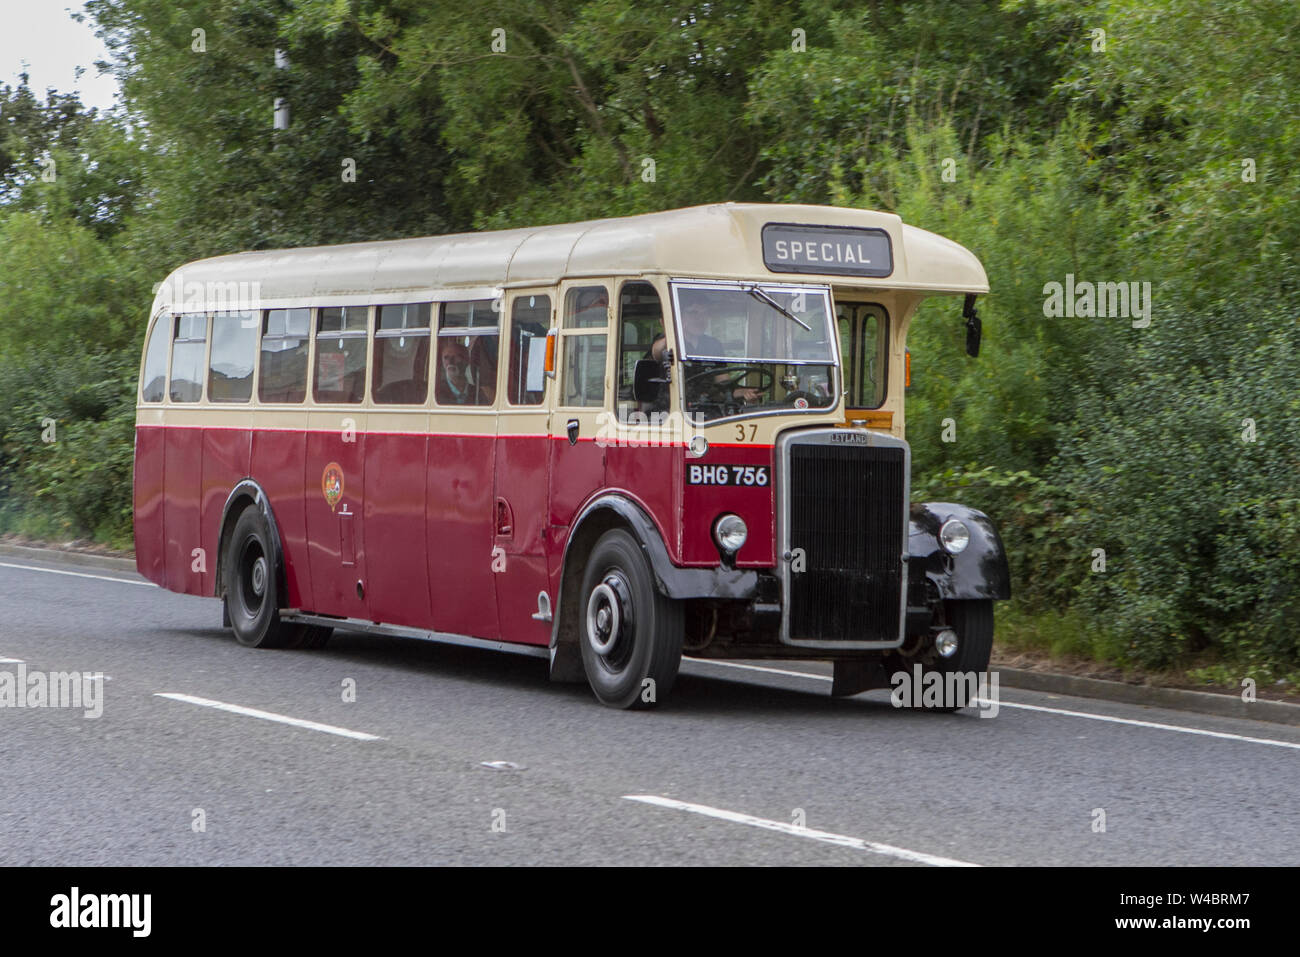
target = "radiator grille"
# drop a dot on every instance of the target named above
(847, 508)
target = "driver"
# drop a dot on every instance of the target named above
(698, 342)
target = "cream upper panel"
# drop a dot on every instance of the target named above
(720, 241)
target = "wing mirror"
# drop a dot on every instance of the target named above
(647, 378)
(974, 328)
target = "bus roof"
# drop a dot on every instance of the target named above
(717, 241)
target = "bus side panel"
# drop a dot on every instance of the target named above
(277, 466)
(183, 465)
(150, 456)
(650, 475)
(521, 488)
(335, 529)
(397, 584)
(460, 527)
(704, 501)
(574, 473)
(225, 465)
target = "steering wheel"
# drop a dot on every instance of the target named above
(732, 381)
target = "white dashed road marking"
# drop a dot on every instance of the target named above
(1150, 724)
(1061, 711)
(55, 571)
(1223, 735)
(270, 716)
(889, 850)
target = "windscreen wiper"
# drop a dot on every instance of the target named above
(761, 296)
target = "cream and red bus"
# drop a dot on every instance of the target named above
(606, 443)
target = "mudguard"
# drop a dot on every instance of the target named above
(249, 489)
(980, 571)
(613, 510)
(672, 581)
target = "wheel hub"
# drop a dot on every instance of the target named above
(259, 577)
(253, 580)
(609, 614)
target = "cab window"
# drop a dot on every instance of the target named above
(640, 336)
(584, 335)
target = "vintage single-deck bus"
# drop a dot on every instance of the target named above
(607, 443)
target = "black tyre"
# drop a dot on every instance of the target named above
(631, 635)
(972, 620)
(252, 598)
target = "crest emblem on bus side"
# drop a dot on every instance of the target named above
(331, 483)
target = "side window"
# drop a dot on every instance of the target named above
(188, 348)
(849, 358)
(865, 348)
(285, 338)
(234, 348)
(340, 373)
(584, 334)
(640, 336)
(874, 355)
(529, 321)
(467, 353)
(153, 380)
(400, 373)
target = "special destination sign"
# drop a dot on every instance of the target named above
(835, 250)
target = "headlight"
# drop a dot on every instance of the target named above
(954, 536)
(730, 533)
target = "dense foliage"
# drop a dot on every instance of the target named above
(1148, 141)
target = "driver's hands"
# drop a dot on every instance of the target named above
(746, 394)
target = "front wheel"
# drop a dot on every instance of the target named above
(631, 635)
(971, 622)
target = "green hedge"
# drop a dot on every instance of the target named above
(79, 484)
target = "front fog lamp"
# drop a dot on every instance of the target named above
(730, 533)
(954, 536)
(946, 643)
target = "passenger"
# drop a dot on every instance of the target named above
(456, 387)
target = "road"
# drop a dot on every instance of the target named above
(723, 773)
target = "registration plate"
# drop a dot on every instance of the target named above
(727, 475)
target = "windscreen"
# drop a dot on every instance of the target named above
(747, 348)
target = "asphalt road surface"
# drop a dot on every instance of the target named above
(741, 765)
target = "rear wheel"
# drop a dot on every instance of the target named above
(252, 597)
(631, 635)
